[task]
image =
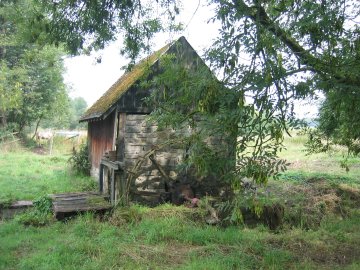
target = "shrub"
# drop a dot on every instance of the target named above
(41, 215)
(43, 205)
(79, 160)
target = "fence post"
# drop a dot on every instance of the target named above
(51, 145)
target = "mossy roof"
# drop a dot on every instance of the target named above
(123, 84)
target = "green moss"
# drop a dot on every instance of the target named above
(122, 85)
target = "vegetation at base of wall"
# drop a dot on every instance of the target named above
(79, 160)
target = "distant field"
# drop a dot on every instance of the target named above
(320, 231)
(324, 164)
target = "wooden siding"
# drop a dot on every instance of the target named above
(132, 101)
(101, 139)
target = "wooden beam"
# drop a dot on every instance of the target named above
(112, 191)
(121, 137)
(168, 179)
(101, 178)
(115, 165)
(115, 132)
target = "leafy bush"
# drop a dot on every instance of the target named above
(79, 160)
(9, 141)
(43, 205)
(88, 184)
(41, 215)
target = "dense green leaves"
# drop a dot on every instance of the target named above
(79, 160)
(31, 82)
(294, 48)
(224, 136)
(87, 25)
(43, 92)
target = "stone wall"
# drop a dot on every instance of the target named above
(140, 137)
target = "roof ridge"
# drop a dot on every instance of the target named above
(125, 81)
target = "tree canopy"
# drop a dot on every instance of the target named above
(296, 48)
(31, 82)
(78, 108)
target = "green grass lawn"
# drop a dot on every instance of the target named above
(26, 175)
(325, 165)
(321, 229)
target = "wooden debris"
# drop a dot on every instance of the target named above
(160, 169)
(68, 204)
(17, 207)
(21, 204)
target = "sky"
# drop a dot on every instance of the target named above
(88, 79)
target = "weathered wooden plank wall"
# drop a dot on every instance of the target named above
(100, 137)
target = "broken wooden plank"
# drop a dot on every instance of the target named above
(167, 178)
(21, 204)
(73, 194)
(66, 204)
(116, 165)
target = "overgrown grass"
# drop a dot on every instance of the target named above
(176, 241)
(321, 231)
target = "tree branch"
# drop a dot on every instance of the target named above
(258, 15)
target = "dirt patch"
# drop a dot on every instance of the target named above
(320, 252)
(349, 193)
(169, 255)
(307, 203)
(40, 150)
(271, 216)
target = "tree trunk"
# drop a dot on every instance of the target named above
(3, 122)
(36, 128)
